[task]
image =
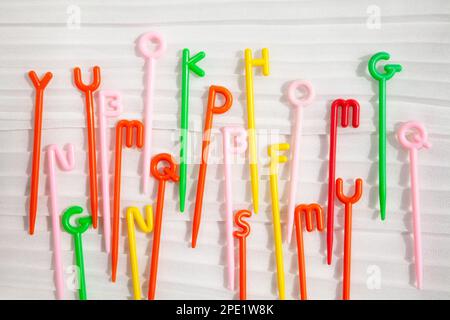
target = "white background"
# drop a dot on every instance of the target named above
(326, 42)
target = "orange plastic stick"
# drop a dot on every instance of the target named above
(39, 86)
(348, 202)
(211, 109)
(128, 126)
(167, 173)
(308, 211)
(88, 93)
(242, 235)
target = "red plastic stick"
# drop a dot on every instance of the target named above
(211, 109)
(348, 202)
(88, 91)
(167, 173)
(39, 86)
(128, 126)
(242, 235)
(345, 106)
(308, 210)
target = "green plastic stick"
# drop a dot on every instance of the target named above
(189, 64)
(76, 232)
(382, 78)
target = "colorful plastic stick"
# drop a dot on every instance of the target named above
(114, 111)
(418, 141)
(348, 202)
(298, 104)
(88, 91)
(345, 106)
(39, 86)
(146, 226)
(276, 159)
(188, 64)
(250, 62)
(167, 173)
(382, 78)
(83, 224)
(238, 146)
(242, 235)
(308, 211)
(211, 110)
(54, 155)
(128, 126)
(150, 58)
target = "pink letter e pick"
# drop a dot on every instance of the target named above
(238, 146)
(150, 58)
(298, 104)
(109, 106)
(417, 139)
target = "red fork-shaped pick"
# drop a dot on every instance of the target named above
(88, 91)
(39, 86)
(211, 110)
(242, 235)
(308, 210)
(167, 173)
(345, 106)
(348, 202)
(128, 126)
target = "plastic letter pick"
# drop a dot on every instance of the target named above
(146, 226)
(298, 104)
(54, 155)
(229, 149)
(128, 126)
(242, 235)
(382, 78)
(308, 211)
(88, 91)
(115, 109)
(210, 111)
(150, 58)
(188, 64)
(348, 202)
(162, 175)
(76, 232)
(418, 140)
(275, 159)
(345, 106)
(39, 86)
(250, 62)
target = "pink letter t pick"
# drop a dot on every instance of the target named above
(417, 140)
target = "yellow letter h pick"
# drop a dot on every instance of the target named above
(133, 214)
(275, 160)
(249, 63)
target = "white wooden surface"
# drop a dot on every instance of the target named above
(322, 41)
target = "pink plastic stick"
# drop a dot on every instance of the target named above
(418, 140)
(297, 103)
(65, 163)
(150, 57)
(238, 146)
(113, 99)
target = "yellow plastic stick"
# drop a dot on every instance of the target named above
(276, 159)
(249, 63)
(133, 213)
